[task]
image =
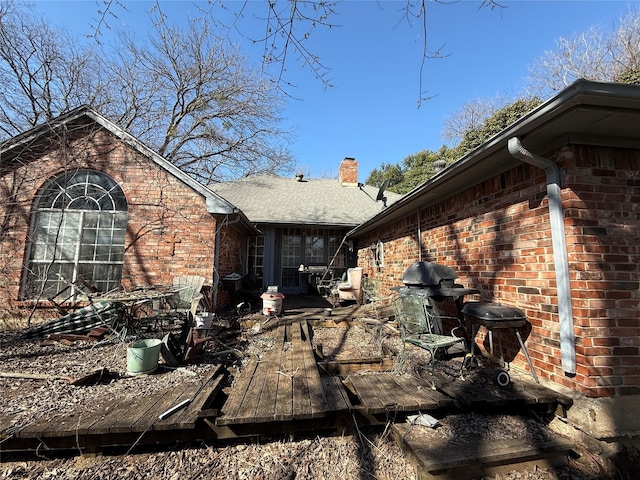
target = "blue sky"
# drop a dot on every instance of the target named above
(374, 57)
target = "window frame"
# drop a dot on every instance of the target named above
(78, 229)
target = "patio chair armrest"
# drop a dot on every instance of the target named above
(455, 320)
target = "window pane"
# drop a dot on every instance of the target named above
(314, 250)
(48, 279)
(87, 238)
(87, 253)
(120, 221)
(290, 277)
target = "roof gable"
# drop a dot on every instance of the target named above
(86, 115)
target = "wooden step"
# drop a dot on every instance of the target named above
(447, 459)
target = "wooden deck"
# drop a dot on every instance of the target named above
(451, 458)
(283, 390)
(388, 392)
(119, 423)
(285, 384)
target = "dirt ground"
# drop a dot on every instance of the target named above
(363, 453)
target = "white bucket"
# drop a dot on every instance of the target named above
(143, 356)
(272, 303)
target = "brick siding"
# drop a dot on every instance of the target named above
(497, 237)
(169, 232)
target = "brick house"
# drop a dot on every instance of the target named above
(544, 216)
(130, 218)
(303, 222)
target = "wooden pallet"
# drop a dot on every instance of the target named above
(388, 392)
(478, 391)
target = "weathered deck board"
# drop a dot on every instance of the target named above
(373, 394)
(284, 395)
(7, 424)
(301, 393)
(251, 378)
(285, 386)
(448, 457)
(264, 407)
(259, 392)
(422, 393)
(483, 393)
(240, 388)
(337, 398)
(61, 424)
(147, 418)
(382, 392)
(318, 397)
(135, 415)
(103, 419)
(187, 417)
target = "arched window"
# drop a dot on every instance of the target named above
(79, 228)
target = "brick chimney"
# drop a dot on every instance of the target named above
(348, 172)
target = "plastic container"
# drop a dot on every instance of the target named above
(143, 356)
(204, 320)
(272, 303)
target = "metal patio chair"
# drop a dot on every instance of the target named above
(419, 326)
(185, 299)
(188, 294)
(371, 292)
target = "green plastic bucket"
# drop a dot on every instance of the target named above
(143, 356)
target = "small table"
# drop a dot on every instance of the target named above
(133, 302)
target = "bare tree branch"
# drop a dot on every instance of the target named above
(594, 55)
(189, 94)
(212, 115)
(289, 24)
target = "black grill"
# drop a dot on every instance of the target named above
(428, 274)
(432, 280)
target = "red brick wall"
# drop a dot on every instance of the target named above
(497, 237)
(169, 231)
(232, 248)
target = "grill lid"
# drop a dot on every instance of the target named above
(429, 274)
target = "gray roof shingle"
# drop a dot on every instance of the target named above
(279, 200)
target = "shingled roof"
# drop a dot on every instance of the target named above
(271, 199)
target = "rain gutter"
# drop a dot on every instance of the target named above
(559, 245)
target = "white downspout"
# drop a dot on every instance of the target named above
(558, 240)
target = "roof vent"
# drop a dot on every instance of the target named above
(299, 177)
(438, 166)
